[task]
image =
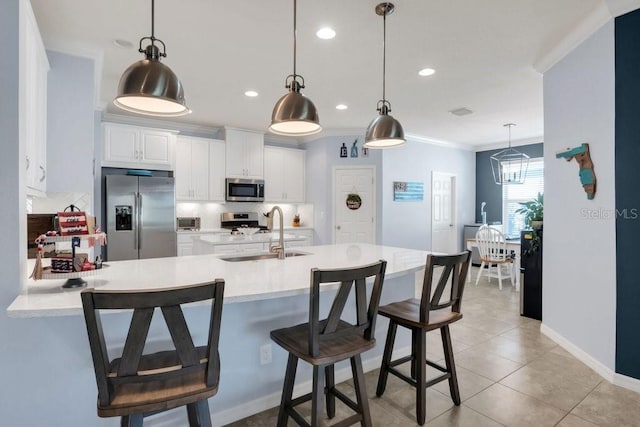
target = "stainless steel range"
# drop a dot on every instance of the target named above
(234, 220)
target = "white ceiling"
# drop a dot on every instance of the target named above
(485, 54)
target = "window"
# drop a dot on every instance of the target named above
(512, 195)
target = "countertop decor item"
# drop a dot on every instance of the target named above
(384, 131)
(294, 114)
(509, 166)
(150, 87)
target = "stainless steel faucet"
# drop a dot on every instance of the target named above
(280, 248)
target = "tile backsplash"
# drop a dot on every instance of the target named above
(56, 202)
(210, 212)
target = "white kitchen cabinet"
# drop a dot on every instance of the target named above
(185, 243)
(217, 170)
(137, 147)
(244, 154)
(284, 172)
(34, 67)
(192, 168)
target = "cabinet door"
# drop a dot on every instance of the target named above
(273, 175)
(120, 143)
(33, 65)
(217, 171)
(293, 171)
(155, 148)
(244, 154)
(284, 175)
(254, 155)
(183, 168)
(200, 169)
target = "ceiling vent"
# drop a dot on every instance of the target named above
(461, 111)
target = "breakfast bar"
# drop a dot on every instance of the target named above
(260, 295)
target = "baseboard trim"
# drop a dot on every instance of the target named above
(605, 372)
(272, 400)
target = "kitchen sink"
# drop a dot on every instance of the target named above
(258, 257)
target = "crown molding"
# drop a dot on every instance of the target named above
(505, 144)
(440, 143)
(181, 127)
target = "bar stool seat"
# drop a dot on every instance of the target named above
(322, 343)
(296, 341)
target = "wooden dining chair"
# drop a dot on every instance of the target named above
(492, 247)
(322, 343)
(434, 310)
(136, 385)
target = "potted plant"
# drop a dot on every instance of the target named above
(533, 212)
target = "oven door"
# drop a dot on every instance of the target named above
(244, 190)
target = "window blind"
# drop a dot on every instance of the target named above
(513, 195)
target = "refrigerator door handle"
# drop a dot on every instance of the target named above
(135, 221)
(140, 221)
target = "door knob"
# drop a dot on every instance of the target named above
(338, 227)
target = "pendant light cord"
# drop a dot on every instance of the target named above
(509, 125)
(295, 14)
(384, 56)
(153, 14)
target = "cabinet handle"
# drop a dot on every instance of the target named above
(44, 174)
(28, 163)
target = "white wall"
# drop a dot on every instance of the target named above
(408, 224)
(323, 156)
(70, 127)
(579, 264)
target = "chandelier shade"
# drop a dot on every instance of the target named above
(150, 87)
(384, 131)
(509, 166)
(294, 114)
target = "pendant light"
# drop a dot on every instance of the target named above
(509, 166)
(150, 87)
(384, 131)
(294, 114)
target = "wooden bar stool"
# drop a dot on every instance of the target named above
(136, 385)
(323, 343)
(421, 316)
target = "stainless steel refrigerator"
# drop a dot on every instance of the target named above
(141, 217)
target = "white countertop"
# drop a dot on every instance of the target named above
(245, 281)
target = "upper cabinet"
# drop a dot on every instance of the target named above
(244, 153)
(138, 147)
(284, 172)
(34, 67)
(199, 169)
(192, 168)
(217, 172)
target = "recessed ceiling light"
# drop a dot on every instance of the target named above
(251, 93)
(462, 111)
(341, 107)
(121, 43)
(326, 33)
(426, 72)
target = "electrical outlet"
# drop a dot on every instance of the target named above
(265, 354)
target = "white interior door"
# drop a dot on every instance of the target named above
(444, 236)
(354, 225)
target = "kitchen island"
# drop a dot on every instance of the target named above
(259, 296)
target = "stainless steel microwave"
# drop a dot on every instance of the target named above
(188, 223)
(244, 190)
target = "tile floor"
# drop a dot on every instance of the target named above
(508, 372)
